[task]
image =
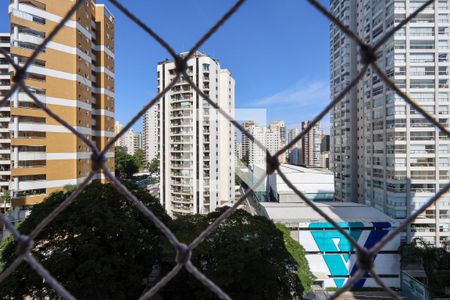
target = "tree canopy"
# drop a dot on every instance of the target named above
(298, 253)
(100, 247)
(245, 256)
(126, 165)
(435, 262)
(139, 158)
(153, 166)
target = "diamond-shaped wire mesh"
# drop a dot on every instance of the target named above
(364, 256)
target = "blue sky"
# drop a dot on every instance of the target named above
(276, 50)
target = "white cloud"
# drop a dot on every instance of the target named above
(302, 94)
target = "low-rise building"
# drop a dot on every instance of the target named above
(331, 257)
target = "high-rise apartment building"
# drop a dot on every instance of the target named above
(5, 118)
(74, 77)
(310, 153)
(196, 142)
(118, 128)
(281, 127)
(150, 133)
(294, 152)
(324, 150)
(246, 142)
(132, 141)
(269, 138)
(383, 152)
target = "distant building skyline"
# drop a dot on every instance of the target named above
(130, 141)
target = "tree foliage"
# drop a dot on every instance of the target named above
(435, 262)
(126, 165)
(139, 158)
(245, 256)
(153, 166)
(100, 247)
(298, 253)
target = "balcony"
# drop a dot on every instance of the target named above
(181, 182)
(181, 157)
(180, 140)
(32, 185)
(181, 115)
(180, 132)
(181, 148)
(32, 156)
(180, 124)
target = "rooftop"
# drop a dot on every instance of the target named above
(307, 180)
(299, 212)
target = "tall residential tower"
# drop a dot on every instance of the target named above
(383, 152)
(196, 142)
(74, 77)
(5, 118)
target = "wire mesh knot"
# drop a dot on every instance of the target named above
(365, 260)
(24, 245)
(272, 163)
(183, 254)
(180, 64)
(367, 54)
(98, 159)
(20, 75)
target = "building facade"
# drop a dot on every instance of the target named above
(5, 118)
(80, 90)
(268, 137)
(294, 152)
(246, 142)
(310, 153)
(196, 142)
(130, 141)
(150, 133)
(331, 257)
(325, 150)
(383, 152)
(280, 126)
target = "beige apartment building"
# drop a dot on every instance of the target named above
(74, 77)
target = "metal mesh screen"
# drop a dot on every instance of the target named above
(365, 257)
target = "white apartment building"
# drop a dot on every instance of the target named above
(150, 136)
(325, 150)
(310, 154)
(131, 141)
(5, 118)
(246, 142)
(383, 152)
(270, 138)
(281, 127)
(294, 152)
(196, 142)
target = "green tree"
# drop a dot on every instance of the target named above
(139, 158)
(153, 166)
(435, 262)
(100, 247)
(4, 199)
(298, 253)
(126, 165)
(245, 256)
